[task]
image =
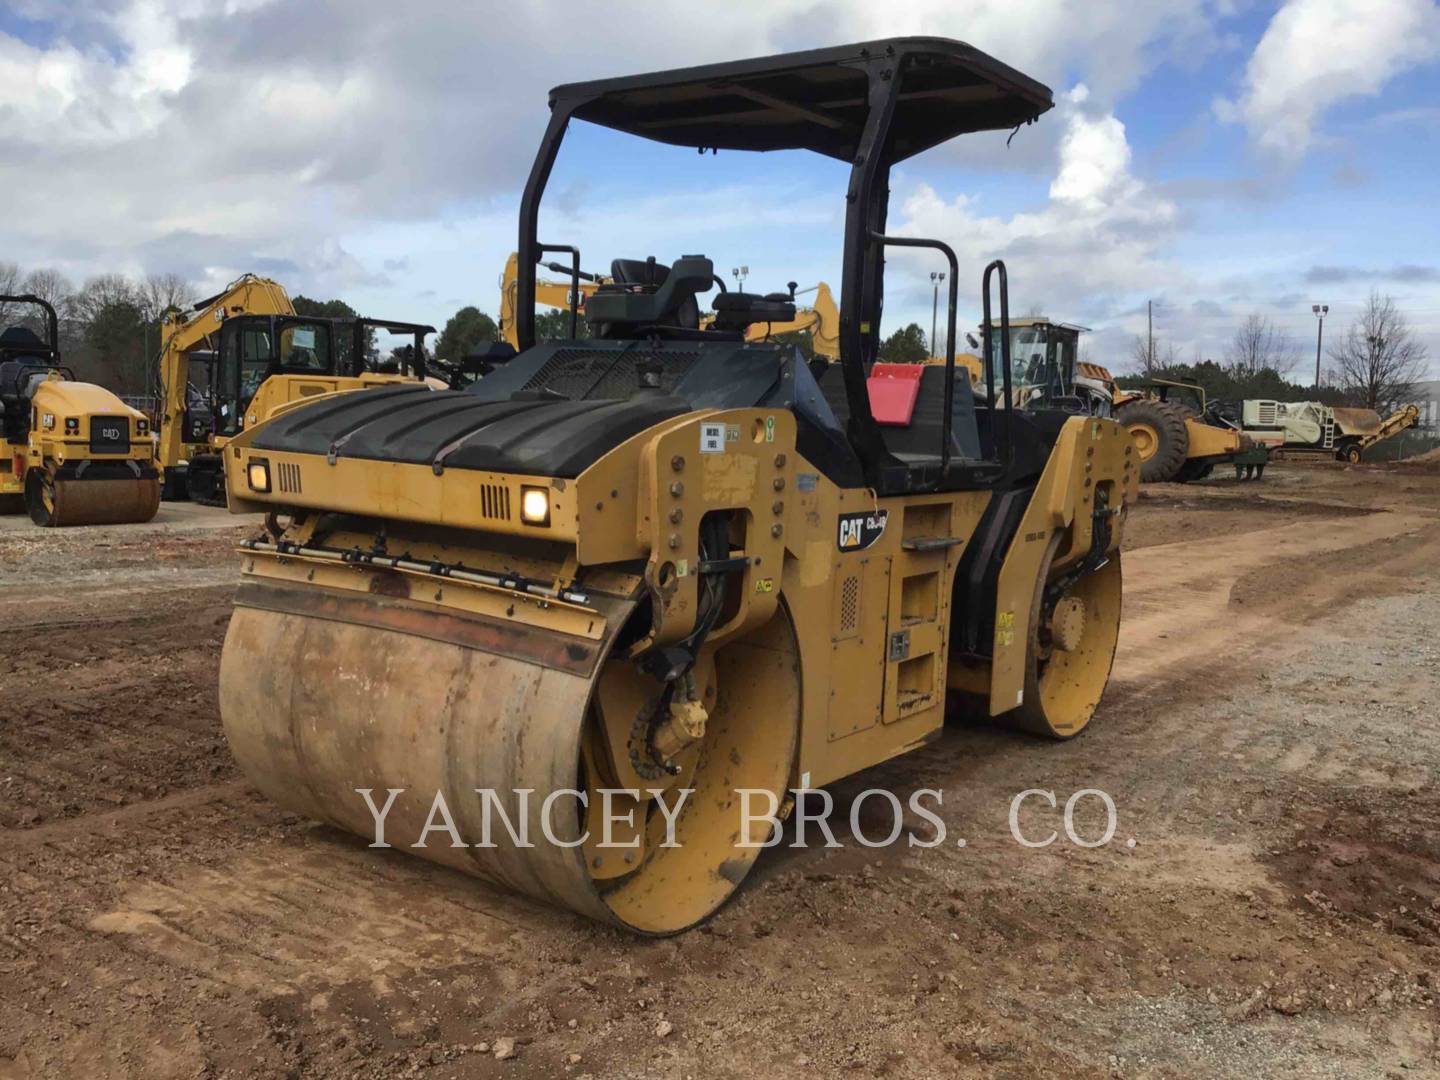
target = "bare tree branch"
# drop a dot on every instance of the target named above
(9, 283)
(160, 293)
(1260, 345)
(53, 287)
(1379, 361)
(1141, 355)
(1153, 358)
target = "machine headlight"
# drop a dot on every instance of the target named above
(258, 472)
(142, 426)
(72, 425)
(535, 505)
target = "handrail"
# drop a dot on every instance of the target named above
(574, 253)
(952, 303)
(1003, 451)
(52, 321)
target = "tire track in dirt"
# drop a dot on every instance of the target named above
(1179, 597)
(208, 932)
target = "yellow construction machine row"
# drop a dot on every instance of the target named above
(667, 560)
(231, 359)
(1175, 439)
(71, 453)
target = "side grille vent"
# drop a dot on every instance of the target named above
(495, 502)
(850, 604)
(287, 474)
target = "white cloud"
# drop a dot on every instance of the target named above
(1316, 53)
(1101, 235)
(317, 140)
(282, 124)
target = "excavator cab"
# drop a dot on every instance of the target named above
(408, 359)
(665, 561)
(255, 347)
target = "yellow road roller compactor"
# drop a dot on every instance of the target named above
(653, 572)
(71, 453)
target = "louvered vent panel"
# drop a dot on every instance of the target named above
(288, 474)
(495, 502)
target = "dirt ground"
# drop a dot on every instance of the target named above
(1271, 740)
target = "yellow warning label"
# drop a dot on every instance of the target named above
(1005, 628)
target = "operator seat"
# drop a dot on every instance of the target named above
(18, 371)
(738, 310)
(647, 294)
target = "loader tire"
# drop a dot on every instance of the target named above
(1161, 439)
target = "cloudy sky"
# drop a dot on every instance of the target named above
(1219, 158)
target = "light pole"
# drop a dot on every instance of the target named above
(935, 280)
(1320, 310)
(740, 273)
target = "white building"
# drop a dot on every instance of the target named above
(1427, 396)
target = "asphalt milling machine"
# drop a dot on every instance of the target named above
(665, 559)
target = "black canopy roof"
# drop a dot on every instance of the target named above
(814, 100)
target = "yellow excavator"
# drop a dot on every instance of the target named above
(821, 320)
(188, 372)
(71, 453)
(570, 297)
(582, 628)
(257, 355)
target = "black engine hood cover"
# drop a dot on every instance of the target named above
(556, 409)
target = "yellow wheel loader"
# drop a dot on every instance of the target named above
(580, 629)
(1047, 370)
(72, 453)
(1174, 441)
(1180, 442)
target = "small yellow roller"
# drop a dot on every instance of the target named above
(74, 453)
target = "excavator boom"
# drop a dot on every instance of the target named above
(553, 294)
(183, 332)
(821, 319)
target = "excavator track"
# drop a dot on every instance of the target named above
(324, 694)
